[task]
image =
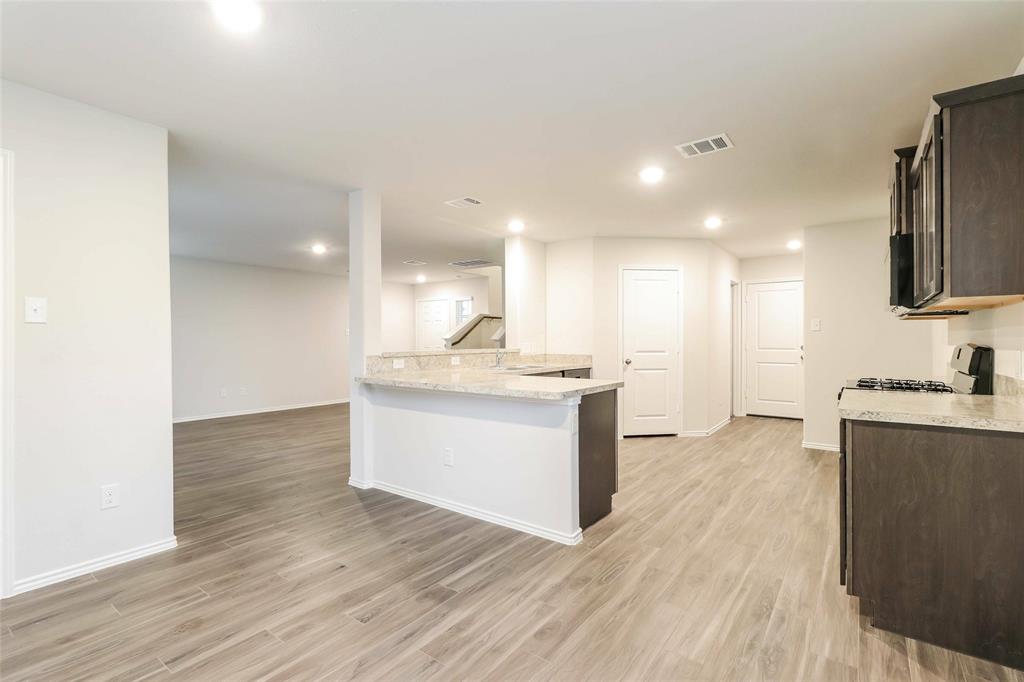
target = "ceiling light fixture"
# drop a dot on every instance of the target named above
(793, 244)
(516, 226)
(713, 222)
(237, 16)
(319, 249)
(421, 278)
(652, 175)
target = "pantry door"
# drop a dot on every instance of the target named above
(650, 352)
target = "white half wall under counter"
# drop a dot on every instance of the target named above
(533, 453)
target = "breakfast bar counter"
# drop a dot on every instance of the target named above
(535, 453)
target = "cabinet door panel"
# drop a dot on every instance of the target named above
(928, 218)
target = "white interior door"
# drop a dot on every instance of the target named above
(433, 322)
(773, 347)
(650, 352)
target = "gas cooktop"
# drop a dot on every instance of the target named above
(873, 384)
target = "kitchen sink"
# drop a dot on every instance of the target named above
(516, 368)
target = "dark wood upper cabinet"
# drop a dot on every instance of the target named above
(966, 200)
(901, 209)
(901, 237)
(926, 179)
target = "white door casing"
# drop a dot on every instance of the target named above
(773, 349)
(650, 351)
(433, 323)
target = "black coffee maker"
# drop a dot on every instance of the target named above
(974, 369)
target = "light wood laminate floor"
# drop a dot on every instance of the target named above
(718, 562)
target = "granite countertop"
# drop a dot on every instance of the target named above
(988, 412)
(493, 382)
(535, 368)
(445, 353)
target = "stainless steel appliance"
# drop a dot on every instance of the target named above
(973, 367)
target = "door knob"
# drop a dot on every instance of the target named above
(628, 361)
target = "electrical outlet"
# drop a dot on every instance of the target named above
(110, 496)
(398, 364)
(223, 393)
(456, 360)
(449, 457)
(815, 324)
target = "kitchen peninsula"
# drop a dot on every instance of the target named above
(522, 441)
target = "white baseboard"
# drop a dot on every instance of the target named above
(490, 517)
(68, 572)
(708, 432)
(259, 410)
(820, 446)
(356, 483)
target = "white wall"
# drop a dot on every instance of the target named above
(525, 295)
(583, 278)
(93, 385)
(846, 286)
(1001, 328)
(397, 317)
(268, 337)
(781, 268)
(252, 338)
(476, 288)
(570, 297)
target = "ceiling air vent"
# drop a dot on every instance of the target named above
(464, 202)
(413, 261)
(707, 145)
(471, 263)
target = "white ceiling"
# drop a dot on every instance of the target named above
(544, 111)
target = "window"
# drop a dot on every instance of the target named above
(463, 311)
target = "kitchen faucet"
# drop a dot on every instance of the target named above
(499, 357)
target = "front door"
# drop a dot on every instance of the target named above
(773, 346)
(433, 322)
(650, 352)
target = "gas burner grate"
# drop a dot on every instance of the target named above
(917, 385)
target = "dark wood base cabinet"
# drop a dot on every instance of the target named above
(598, 456)
(933, 534)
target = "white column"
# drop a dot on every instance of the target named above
(364, 276)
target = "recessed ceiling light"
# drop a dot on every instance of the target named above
(414, 261)
(652, 175)
(421, 278)
(238, 16)
(319, 249)
(713, 222)
(515, 225)
(793, 244)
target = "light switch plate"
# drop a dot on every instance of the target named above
(35, 310)
(815, 324)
